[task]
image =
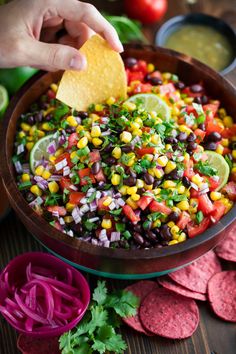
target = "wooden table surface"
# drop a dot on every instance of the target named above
(213, 335)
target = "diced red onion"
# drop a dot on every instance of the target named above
(86, 239)
(84, 209)
(51, 149)
(83, 200)
(61, 221)
(61, 140)
(43, 184)
(213, 220)
(98, 195)
(137, 212)
(90, 192)
(70, 233)
(96, 218)
(35, 202)
(117, 195)
(101, 183)
(106, 133)
(20, 149)
(55, 213)
(204, 186)
(32, 298)
(76, 215)
(18, 167)
(135, 140)
(94, 241)
(103, 238)
(112, 206)
(78, 120)
(106, 244)
(60, 165)
(26, 168)
(104, 120)
(74, 188)
(204, 191)
(115, 236)
(93, 205)
(120, 202)
(215, 178)
(66, 171)
(54, 178)
(194, 186)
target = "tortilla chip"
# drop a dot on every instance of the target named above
(104, 77)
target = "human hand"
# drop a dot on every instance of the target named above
(22, 22)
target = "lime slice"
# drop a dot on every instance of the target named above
(218, 162)
(4, 100)
(151, 102)
(39, 151)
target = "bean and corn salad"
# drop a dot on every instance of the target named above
(119, 176)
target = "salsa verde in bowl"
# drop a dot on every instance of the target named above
(145, 253)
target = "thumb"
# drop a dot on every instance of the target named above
(54, 57)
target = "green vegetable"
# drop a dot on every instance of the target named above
(96, 332)
(205, 169)
(199, 217)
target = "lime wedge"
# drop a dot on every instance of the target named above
(151, 102)
(218, 162)
(4, 100)
(39, 151)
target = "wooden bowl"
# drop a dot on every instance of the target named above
(116, 263)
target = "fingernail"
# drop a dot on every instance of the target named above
(78, 63)
(121, 48)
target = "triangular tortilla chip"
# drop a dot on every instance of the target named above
(104, 77)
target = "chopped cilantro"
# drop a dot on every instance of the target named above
(89, 225)
(205, 168)
(199, 217)
(60, 111)
(116, 212)
(52, 199)
(229, 161)
(120, 227)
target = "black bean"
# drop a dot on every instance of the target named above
(202, 126)
(130, 62)
(165, 232)
(171, 140)
(108, 148)
(151, 236)
(38, 117)
(214, 136)
(110, 160)
(173, 216)
(44, 105)
(210, 146)
(179, 85)
(137, 228)
(141, 191)
(196, 88)
(164, 243)
(155, 81)
(70, 130)
(157, 182)
(197, 100)
(82, 114)
(130, 181)
(95, 168)
(173, 174)
(146, 244)
(182, 136)
(48, 117)
(175, 147)
(132, 173)
(90, 214)
(186, 182)
(138, 238)
(29, 197)
(148, 179)
(204, 99)
(127, 148)
(191, 137)
(30, 120)
(77, 228)
(191, 146)
(124, 244)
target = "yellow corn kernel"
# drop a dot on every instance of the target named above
(68, 219)
(130, 106)
(156, 223)
(233, 169)
(220, 149)
(169, 184)
(32, 130)
(26, 127)
(181, 190)
(153, 114)
(176, 210)
(233, 138)
(123, 190)
(158, 173)
(46, 174)
(134, 125)
(215, 196)
(157, 191)
(151, 171)
(170, 166)
(107, 201)
(52, 159)
(234, 154)
(39, 170)
(59, 152)
(132, 203)
(148, 187)
(47, 111)
(171, 224)
(40, 133)
(54, 87)
(193, 205)
(137, 132)
(162, 160)
(95, 131)
(25, 177)
(139, 183)
(172, 242)
(139, 121)
(73, 154)
(46, 126)
(130, 162)
(225, 142)
(175, 111)
(168, 147)
(175, 236)
(106, 224)
(150, 68)
(188, 100)
(82, 142)
(87, 135)
(222, 112)
(182, 237)
(148, 157)
(126, 137)
(184, 205)
(228, 121)
(36, 190)
(132, 190)
(185, 129)
(197, 179)
(72, 121)
(174, 229)
(135, 197)
(53, 187)
(69, 207)
(79, 128)
(166, 76)
(21, 134)
(116, 152)
(98, 107)
(115, 179)
(110, 101)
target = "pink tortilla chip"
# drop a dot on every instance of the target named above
(196, 275)
(168, 283)
(169, 315)
(140, 289)
(222, 295)
(227, 248)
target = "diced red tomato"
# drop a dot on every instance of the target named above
(155, 206)
(130, 214)
(142, 66)
(75, 197)
(142, 88)
(194, 229)
(219, 211)
(188, 92)
(213, 126)
(100, 204)
(190, 109)
(72, 140)
(63, 156)
(65, 183)
(145, 150)
(184, 219)
(226, 151)
(57, 209)
(205, 204)
(229, 132)
(211, 107)
(156, 73)
(100, 177)
(200, 134)
(212, 183)
(167, 88)
(230, 190)
(51, 94)
(188, 169)
(144, 201)
(146, 129)
(84, 175)
(193, 193)
(135, 76)
(94, 156)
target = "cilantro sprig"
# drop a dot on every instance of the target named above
(96, 333)
(205, 168)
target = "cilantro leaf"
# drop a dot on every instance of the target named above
(116, 344)
(100, 293)
(199, 217)
(205, 168)
(124, 303)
